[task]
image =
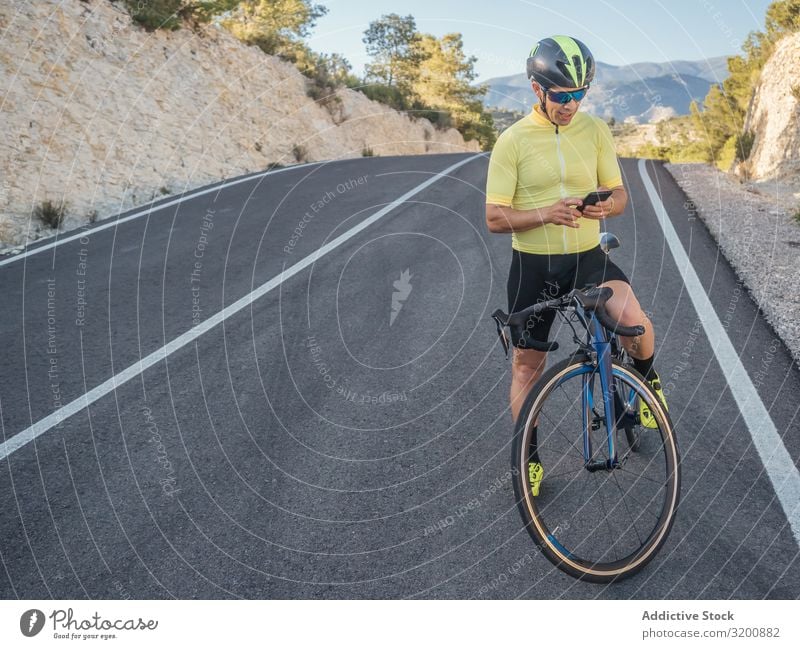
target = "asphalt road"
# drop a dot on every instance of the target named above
(346, 435)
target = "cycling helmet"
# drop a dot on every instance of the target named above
(561, 61)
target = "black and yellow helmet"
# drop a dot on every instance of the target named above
(561, 61)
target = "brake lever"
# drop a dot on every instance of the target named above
(501, 333)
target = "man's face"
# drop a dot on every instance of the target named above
(561, 114)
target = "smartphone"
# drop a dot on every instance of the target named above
(593, 198)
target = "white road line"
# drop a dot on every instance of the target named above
(776, 459)
(43, 425)
(183, 197)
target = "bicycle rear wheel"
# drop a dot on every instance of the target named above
(596, 525)
(625, 399)
(626, 412)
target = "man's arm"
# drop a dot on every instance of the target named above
(609, 175)
(503, 219)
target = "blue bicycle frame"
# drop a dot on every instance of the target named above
(601, 344)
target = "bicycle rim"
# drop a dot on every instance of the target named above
(608, 524)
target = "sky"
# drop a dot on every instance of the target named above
(500, 33)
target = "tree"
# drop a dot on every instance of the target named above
(390, 40)
(721, 121)
(443, 83)
(276, 26)
(782, 17)
(339, 69)
(428, 75)
(444, 72)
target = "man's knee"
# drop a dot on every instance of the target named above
(631, 317)
(528, 364)
(624, 307)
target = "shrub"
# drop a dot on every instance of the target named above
(51, 214)
(744, 145)
(367, 152)
(326, 96)
(156, 14)
(441, 119)
(300, 153)
(649, 150)
(727, 154)
(325, 74)
(476, 124)
(389, 95)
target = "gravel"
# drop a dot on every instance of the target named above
(755, 228)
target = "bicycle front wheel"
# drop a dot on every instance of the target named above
(596, 524)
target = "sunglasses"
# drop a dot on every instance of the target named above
(566, 97)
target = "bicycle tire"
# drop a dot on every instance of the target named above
(625, 417)
(537, 513)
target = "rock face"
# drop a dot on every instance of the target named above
(102, 115)
(774, 117)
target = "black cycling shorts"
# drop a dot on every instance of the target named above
(534, 278)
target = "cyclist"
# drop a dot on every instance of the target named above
(539, 170)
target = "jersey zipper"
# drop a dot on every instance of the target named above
(562, 189)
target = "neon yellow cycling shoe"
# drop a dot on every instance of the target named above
(645, 415)
(535, 475)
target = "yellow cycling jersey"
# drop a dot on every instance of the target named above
(534, 164)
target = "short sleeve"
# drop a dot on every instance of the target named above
(608, 171)
(501, 181)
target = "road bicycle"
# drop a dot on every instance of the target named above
(611, 487)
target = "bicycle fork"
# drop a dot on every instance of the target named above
(602, 360)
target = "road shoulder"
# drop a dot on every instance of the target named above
(757, 234)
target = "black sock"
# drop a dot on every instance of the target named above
(533, 451)
(645, 368)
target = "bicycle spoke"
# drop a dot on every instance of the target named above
(639, 475)
(558, 475)
(607, 519)
(556, 427)
(641, 504)
(633, 520)
(569, 398)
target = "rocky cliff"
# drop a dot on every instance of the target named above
(101, 115)
(774, 117)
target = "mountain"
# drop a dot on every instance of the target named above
(643, 92)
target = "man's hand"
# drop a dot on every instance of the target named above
(612, 206)
(563, 213)
(599, 210)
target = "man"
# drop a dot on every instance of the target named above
(540, 169)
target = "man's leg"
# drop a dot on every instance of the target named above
(526, 368)
(625, 309)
